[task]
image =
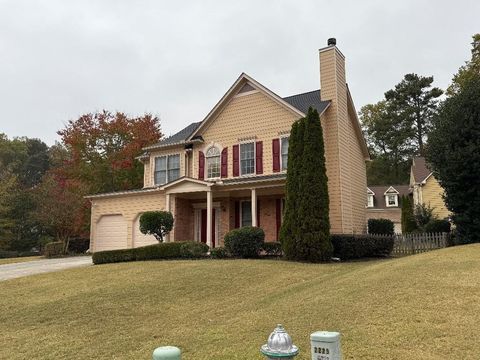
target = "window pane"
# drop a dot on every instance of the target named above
(174, 162)
(247, 158)
(391, 199)
(246, 213)
(173, 174)
(284, 150)
(160, 170)
(213, 167)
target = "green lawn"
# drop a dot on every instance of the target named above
(419, 307)
(18, 259)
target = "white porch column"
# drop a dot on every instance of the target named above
(167, 208)
(254, 207)
(209, 217)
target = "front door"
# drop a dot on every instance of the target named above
(203, 227)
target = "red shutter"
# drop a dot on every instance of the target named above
(278, 216)
(237, 214)
(258, 212)
(224, 163)
(276, 154)
(201, 165)
(259, 157)
(236, 160)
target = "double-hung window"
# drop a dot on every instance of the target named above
(392, 200)
(167, 168)
(284, 152)
(247, 158)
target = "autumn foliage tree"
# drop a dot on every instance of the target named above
(102, 148)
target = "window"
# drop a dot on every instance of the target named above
(213, 162)
(392, 200)
(247, 158)
(284, 152)
(167, 168)
(246, 213)
(370, 201)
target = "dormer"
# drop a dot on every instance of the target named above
(391, 197)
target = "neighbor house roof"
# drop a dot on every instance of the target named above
(177, 138)
(379, 194)
(420, 169)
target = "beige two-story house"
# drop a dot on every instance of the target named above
(229, 170)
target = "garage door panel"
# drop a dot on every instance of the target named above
(111, 233)
(140, 239)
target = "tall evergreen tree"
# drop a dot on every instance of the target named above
(408, 218)
(467, 71)
(454, 154)
(313, 243)
(289, 231)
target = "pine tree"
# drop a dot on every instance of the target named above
(313, 242)
(290, 226)
(408, 219)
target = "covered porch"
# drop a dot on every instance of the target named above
(206, 211)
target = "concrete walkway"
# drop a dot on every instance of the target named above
(15, 270)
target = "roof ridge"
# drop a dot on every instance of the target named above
(303, 93)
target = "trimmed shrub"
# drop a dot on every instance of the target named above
(219, 253)
(245, 242)
(4, 254)
(437, 226)
(156, 223)
(78, 245)
(381, 227)
(53, 249)
(193, 250)
(273, 248)
(348, 247)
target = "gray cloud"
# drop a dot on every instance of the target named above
(60, 59)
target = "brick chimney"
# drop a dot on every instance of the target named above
(337, 134)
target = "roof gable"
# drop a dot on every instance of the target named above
(237, 86)
(420, 169)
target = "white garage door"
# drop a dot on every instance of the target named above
(140, 239)
(111, 233)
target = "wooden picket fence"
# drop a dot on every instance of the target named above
(409, 244)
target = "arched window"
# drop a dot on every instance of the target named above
(213, 162)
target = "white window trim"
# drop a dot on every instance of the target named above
(281, 157)
(205, 170)
(370, 204)
(166, 177)
(396, 200)
(250, 141)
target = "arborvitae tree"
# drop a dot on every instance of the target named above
(454, 154)
(408, 219)
(290, 226)
(313, 243)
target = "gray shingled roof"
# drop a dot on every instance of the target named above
(178, 137)
(303, 101)
(420, 169)
(300, 101)
(379, 197)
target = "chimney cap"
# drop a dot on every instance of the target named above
(332, 42)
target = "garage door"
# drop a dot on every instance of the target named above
(111, 233)
(140, 239)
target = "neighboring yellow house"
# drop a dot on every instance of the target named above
(229, 170)
(426, 189)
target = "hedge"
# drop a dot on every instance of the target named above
(5, 254)
(437, 226)
(348, 247)
(172, 250)
(245, 242)
(219, 253)
(381, 227)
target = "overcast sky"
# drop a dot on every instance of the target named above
(60, 58)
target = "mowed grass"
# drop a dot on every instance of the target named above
(18, 259)
(419, 307)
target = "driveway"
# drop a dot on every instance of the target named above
(15, 270)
